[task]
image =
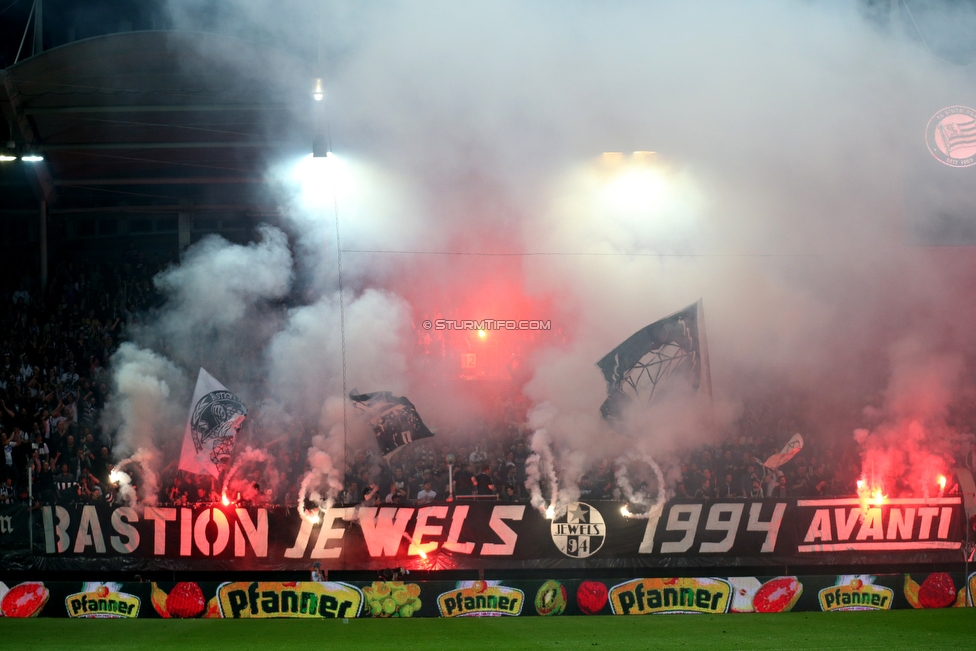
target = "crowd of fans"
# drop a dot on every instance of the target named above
(494, 467)
(55, 347)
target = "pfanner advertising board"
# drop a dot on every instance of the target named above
(331, 600)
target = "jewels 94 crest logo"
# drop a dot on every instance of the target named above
(951, 136)
(216, 418)
(579, 531)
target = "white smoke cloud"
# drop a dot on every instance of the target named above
(789, 182)
(220, 302)
(305, 357)
(145, 411)
(323, 480)
(217, 282)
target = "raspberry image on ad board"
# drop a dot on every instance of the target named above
(591, 597)
(185, 600)
(937, 591)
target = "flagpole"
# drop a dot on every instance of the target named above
(342, 312)
(706, 370)
(30, 505)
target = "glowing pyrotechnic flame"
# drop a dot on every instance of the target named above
(420, 551)
(115, 476)
(224, 500)
(551, 512)
(624, 511)
(870, 495)
(308, 516)
(942, 482)
(482, 334)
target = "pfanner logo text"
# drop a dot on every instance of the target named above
(686, 595)
(481, 601)
(102, 604)
(303, 600)
(856, 595)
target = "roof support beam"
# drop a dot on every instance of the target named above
(175, 208)
(152, 108)
(160, 180)
(229, 144)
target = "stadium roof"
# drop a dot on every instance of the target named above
(154, 121)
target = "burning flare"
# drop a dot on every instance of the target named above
(870, 494)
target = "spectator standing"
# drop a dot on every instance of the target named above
(728, 488)
(7, 491)
(780, 490)
(426, 494)
(483, 482)
(66, 486)
(464, 481)
(316, 574)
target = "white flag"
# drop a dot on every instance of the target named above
(790, 450)
(215, 416)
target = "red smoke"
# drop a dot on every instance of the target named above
(483, 371)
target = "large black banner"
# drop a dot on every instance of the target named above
(15, 531)
(482, 535)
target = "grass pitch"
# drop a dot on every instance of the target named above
(888, 631)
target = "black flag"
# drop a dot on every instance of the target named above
(394, 419)
(669, 352)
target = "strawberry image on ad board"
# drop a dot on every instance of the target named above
(937, 591)
(184, 601)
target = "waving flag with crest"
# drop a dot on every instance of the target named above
(790, 450)
(394, 419)
(668, 354)
(216, 415)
